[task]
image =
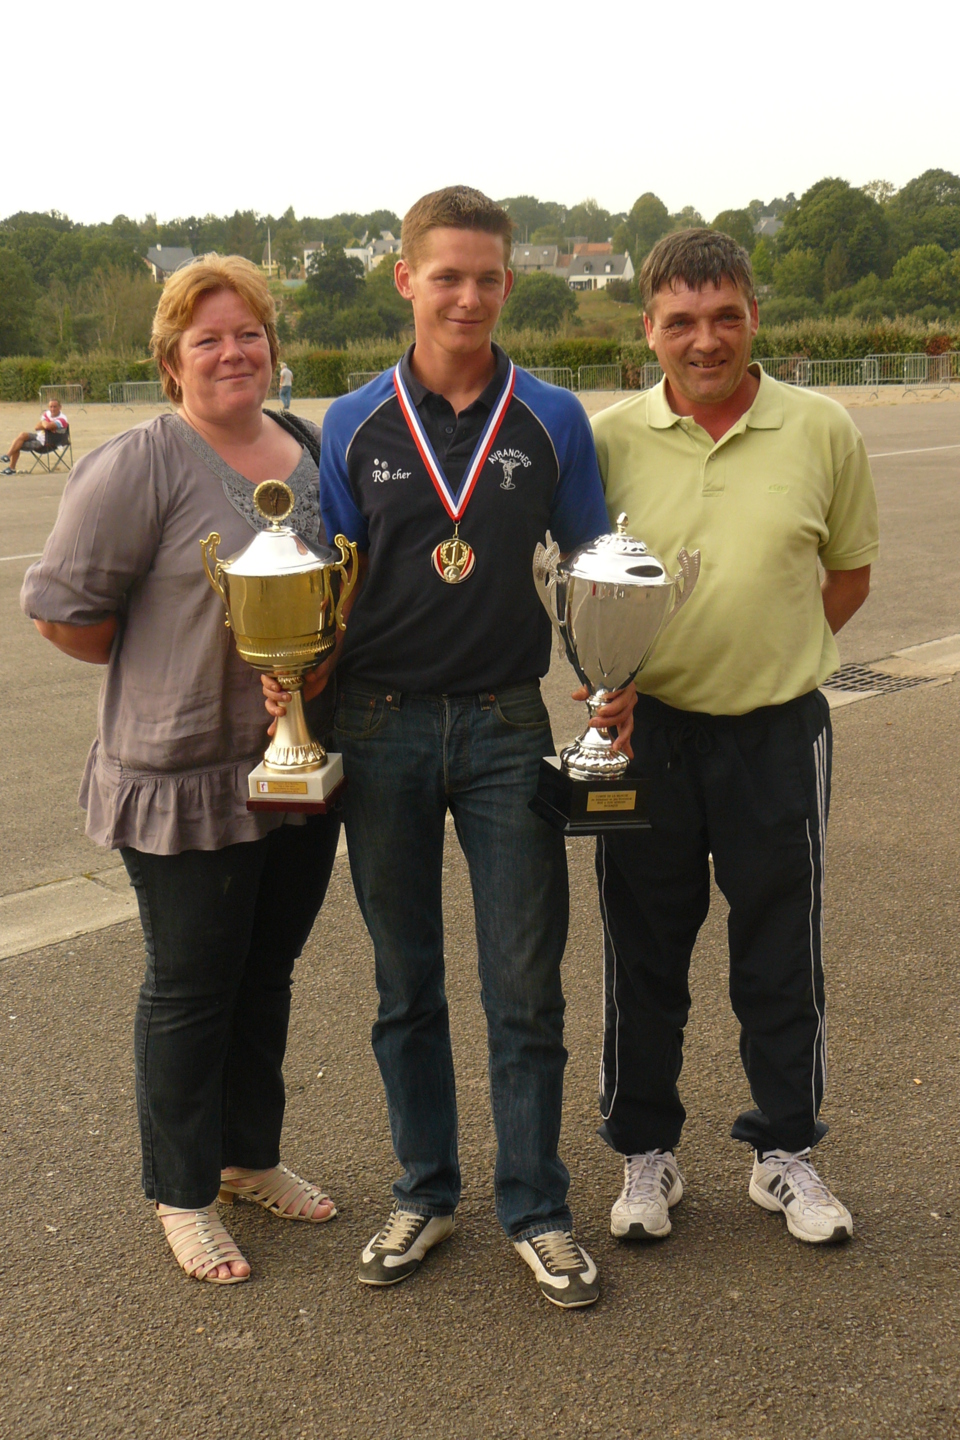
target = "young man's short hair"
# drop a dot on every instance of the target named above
(455, 208)
(696, 258)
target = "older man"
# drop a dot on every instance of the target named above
(52, 427)
(771, 483)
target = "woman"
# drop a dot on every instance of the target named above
(181, 725)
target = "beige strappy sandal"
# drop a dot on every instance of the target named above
(281, 1192)
(200, 1244)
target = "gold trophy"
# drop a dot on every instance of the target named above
(284, 600)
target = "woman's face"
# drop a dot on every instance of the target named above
(223, 359)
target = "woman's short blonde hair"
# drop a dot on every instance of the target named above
(181, 295)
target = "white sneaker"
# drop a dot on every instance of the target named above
(652, 1185)
(565, 1273)
(396, 1250)
(788, 1182)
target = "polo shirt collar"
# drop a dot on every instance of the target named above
(766, 412)
(488, 397)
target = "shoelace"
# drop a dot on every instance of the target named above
(399, 1230)
(643, 1175)
(801, 1174)
(558, 1251)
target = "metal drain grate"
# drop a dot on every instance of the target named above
(861, 677)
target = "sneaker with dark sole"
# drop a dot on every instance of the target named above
(565, 1273)
(652, 1185)
(396, 1250)
(788, 1182)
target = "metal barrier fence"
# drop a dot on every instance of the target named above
(69, 396)
(359, 378)
(600, 377)
(137, 392)
(650, 375)
(870, 372)
(560, 375)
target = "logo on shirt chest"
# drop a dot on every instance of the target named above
(509, 460)
(382, 472)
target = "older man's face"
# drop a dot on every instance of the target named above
(702, 338)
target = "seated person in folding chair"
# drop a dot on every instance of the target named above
(55, 428)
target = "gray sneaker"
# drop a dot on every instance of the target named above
(788, 1182)
(565, 1273)
(396, 1250)
(652, 1185)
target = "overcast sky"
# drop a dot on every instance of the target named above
(198, 108)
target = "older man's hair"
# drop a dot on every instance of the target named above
(695, 258)
(184, 290)
(455, 208)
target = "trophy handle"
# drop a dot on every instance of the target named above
(685, 580)
(213, 568)
(545, 577)
(349, 567)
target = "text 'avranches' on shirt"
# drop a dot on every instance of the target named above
(789, 484)
(408, 629)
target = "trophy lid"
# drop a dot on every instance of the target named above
(617, 559)
(278, 550)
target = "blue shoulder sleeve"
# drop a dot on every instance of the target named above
(579, 511)
(338, 504)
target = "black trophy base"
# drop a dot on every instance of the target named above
(589, 807)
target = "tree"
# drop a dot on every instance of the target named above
(762, 261)
(833, 210)
(739, 225)
(647, 222)
(927, 212)
(18, 297)
(689, 218)
(927, 275)
(590, 219)
(836, 270)
(530, 214)
(799, 273)
(880, 190)
(334, 279)
(540, 301)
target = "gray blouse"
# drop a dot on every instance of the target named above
(181, 719)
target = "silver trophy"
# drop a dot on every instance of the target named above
(609, 602)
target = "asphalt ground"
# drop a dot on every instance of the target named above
(730, 1329)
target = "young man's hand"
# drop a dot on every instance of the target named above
(277, 699)
(618, 712)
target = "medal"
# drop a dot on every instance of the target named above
(453, 560)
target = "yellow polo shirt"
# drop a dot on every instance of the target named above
(788, 485)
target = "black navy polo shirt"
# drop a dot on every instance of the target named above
(409, 630)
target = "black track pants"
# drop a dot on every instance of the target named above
(754, 790)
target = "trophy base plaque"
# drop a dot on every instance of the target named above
(310, 793)
(589, 807)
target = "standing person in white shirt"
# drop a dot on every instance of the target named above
(53, 425)
(286, 385)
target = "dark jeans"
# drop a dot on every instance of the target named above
(223, 929)
(408, 759)
(755, 790)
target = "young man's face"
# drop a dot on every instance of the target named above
(702, 339)
(457, 287)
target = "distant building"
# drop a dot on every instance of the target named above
(768, 226)
(593, 247)
(528, 259)
(594, 272)
(163, 260)
(370, 253)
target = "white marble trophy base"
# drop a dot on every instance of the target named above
(310, 793)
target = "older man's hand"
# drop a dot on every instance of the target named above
(617, 711)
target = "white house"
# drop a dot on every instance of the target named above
(768, 226)
(594, 272)
(370, 253)
(528, 259)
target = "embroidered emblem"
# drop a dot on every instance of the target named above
(382, 472)
(508, 460)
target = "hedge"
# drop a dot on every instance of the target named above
(324, 372)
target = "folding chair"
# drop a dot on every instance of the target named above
(58, 456)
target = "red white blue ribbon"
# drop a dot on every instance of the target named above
(454, 505)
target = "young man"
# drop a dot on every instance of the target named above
(446, 472)
(54, 426)
(732, 730)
